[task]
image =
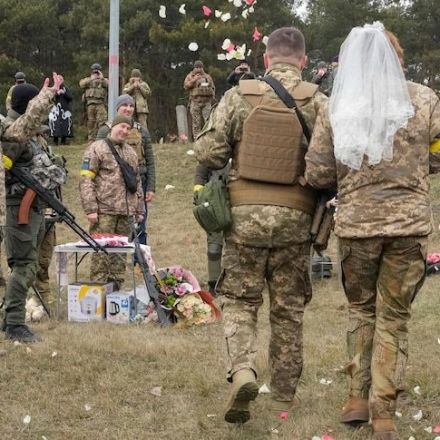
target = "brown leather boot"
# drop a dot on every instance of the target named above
(384, 429)
(355, 411)
(244, 390)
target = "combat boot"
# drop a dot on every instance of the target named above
(384, 429)
(355, 411)
(244, 390)
(21, 333)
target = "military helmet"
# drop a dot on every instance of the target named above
(20, 76)
(96, 66)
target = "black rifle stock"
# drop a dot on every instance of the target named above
(322, 223)
(64, 214)
(150, 280)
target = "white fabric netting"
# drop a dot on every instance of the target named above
(370, 99)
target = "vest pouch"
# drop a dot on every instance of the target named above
(212, 208)
(203, 88)
(270, 150)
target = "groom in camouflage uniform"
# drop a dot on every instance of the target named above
(269, 241)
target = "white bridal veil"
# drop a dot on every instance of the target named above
(370, 99)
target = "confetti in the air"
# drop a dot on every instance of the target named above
(256, 36)
(162, 11)
(193, 46)
(206, 11)
(226, 16)
(265, 39)
(182, 9)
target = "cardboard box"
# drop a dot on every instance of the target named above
(86, 302)
(120, 308)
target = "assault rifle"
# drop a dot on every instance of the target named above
(149, 278)
(34, 188)
(322, 223)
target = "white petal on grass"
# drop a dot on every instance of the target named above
(418, 416)
(428, 429)
(226, 16)
(27, 419)
(398, 414)
(438, 340)
(168, 187)
(182, 9)
(315, 437)
(274, 431)
(87, 407)
(43, 437)
(417, 390)
(264, 389)
(28, 350)
(190, 152)
(324, 381)
(162, 11)
(54, 354)
(437, 438)
(211, 416)
(3, 352)
(411, 438)
(193, 46)
(156, 391)
(17, 343)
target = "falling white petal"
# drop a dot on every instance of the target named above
(229, 56)
(251, 10)
(237, 3)
(182, 9)
(162, 11)
(226, 43)
(418, 416)
(193, 46)
(264, 40)
(207, 24)
(221, 57)
(245, 13)
(173, 65)
(27, 419)
(226, 16)
(249, 52)
(218, 13)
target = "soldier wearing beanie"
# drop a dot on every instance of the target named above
(21, 147)
(20, 78)
(107, 202)
(94, 98)
(139, 90)
(201, 96)
(139, 139)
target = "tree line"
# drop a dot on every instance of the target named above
(67, 36)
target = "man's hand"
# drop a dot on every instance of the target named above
(149, 196)
(57, 81)
(93, 218)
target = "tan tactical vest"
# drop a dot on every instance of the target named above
(269, 159)
(202, 88)
(95, 90)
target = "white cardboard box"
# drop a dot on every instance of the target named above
(120, 307)
(86, 302)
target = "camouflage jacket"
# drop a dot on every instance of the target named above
(139, 92)
(140, 141)
(255, 225)
(102, 187)
(95, 90)
(21, 130)
(190, 85)
(391, 198)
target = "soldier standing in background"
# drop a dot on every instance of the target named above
(201, 96)
(322, 77)
(20, 78)
(22, 240)
(95, 89)
(269, 240)
(381, 171)
(139, 90)
(106, 200)
(139, 139)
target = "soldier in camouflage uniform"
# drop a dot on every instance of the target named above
(201, 96)
(20, 78)
(383, 222)
(269, 241)
(139, 90)
(322, 77)
(94, 96)
(140, 140)
(20, 147)
(108, 204)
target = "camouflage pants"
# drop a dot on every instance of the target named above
(44, 259)
(142, 119)
(96, 116)
(22, 244)
(381, 277)
(215, 246)
(285, 270)
(109, 268)
(199, 115)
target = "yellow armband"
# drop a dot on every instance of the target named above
(435, 146)
(197, 188)
(7, 162)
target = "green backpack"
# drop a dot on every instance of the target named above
(212, 208)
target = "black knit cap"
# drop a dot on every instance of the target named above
(21, 95)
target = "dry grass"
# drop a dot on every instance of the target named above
(112, 369)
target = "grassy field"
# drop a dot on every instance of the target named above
(100, 381)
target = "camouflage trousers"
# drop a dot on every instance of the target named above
(246, 271)
(215, 247)
(96, 116)
(44, 259)
(109, 268)
(22, 244)
(200, 111)
(381, 277)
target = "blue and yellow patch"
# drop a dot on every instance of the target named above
(85, 169)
